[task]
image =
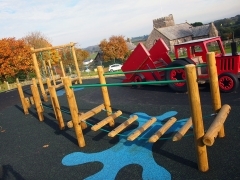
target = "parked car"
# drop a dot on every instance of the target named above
(114, 67)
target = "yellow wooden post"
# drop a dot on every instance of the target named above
(62, 68)
(76, 63)
(74, 111)
(196, 114)
(37, 71)
(214, 85)
(105, 94)
(34, 82)
(6, 85)
(48, 81)
(45, 67)
(51, 71)
(56, 107)
(22, 98)
(38, 102)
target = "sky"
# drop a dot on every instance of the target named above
(88, 22)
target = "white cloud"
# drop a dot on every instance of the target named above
(88, 22)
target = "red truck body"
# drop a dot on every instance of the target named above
(228, 66)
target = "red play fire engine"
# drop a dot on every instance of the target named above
(228, 65)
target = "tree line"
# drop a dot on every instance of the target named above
(16, 59)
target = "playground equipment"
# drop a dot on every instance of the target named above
(143, 65)
(37, 71)
(35, 100)
(196, 119)
(201, 139)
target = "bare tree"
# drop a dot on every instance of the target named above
(37, 40)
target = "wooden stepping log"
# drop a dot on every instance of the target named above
(106, 120)
(178, 136)
(31, 100)
(58, 85)
(122, 126)
(87, 115)
(217, 124)
(140, 130)
(162, 130)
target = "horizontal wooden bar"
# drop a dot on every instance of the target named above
(87, 115)
(54, 47)
(162, 130)
(140, 130)
(122, 126)
(106, 120)
(178, 136)
(212, 132)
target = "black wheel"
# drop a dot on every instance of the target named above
(228, 82)
(138, 78)
(177, 74)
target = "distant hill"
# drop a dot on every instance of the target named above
(227, 22)
(227, 26)
(136, 40)
(92, 49)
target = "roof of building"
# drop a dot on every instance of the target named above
(184, 30)
(199, 31)
(177, 31)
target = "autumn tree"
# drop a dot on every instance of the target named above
(67, 56)
(81, 55)
(15, 58)
(115, 48)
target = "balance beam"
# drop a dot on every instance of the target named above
(162, 130)
(106, 120)
(216, 125)
(122, 126)
(140, 130)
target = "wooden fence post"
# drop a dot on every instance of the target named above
(214, 85)
(196, 114)
(74, 111)
(105, 94)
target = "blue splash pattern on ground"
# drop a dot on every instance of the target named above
(62, 91)
(126, 152)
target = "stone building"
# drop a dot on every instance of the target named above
(172, 33)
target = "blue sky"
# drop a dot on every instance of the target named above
(87, 22)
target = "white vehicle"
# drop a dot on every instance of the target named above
(114, 67)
